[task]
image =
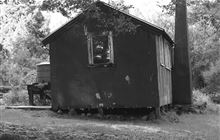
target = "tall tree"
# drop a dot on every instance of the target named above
(181, 74)
(22, 28)
(204, 21)
(93, 13)
(68, 7)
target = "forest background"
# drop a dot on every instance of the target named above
(24, 23)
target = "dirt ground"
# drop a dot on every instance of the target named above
(47, 125)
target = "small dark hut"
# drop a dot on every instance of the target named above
(102, 69)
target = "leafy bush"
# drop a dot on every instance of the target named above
(5, 89)
(202, 99)
(212, 79)
(16, 97)
(216, 98)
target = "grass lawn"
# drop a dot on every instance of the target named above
(45, 124)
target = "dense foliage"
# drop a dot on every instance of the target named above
(23, 26)
(204, 26)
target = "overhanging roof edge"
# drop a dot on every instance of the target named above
(46, 40)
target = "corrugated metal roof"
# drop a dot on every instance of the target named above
(47, 39)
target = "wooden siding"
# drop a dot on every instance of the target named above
(136, 79)
(164, 70)
(130, 82)
(53, 75)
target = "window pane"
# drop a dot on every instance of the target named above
(110, 45)
(170, 57)
(100, 49)
(90, 51)
(161, 50)
(167, 55)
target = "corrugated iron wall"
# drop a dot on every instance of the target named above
(74, 84)
(164, 70)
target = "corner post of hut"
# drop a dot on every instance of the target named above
(182, 77)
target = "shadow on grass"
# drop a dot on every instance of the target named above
(12, 137)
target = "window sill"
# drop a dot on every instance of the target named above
(101, 65)
(162, 64)
(170, 69)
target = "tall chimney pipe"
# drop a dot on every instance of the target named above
(182, 77)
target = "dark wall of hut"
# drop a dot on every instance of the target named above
(130, 82)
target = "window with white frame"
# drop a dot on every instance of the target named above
(100, 48)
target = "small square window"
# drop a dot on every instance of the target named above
(100, 48)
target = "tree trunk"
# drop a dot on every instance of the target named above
(182, 79)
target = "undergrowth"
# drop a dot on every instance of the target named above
(16, 97)
(202, 99)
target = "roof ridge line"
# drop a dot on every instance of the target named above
(128, 14)
(114, 8)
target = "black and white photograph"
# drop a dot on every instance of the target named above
(109, 69)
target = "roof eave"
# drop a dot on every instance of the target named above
(48, 39)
